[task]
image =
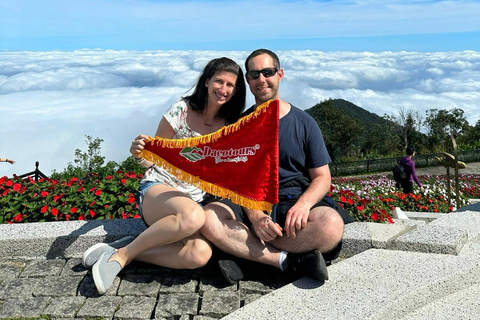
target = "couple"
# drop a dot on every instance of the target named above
(182, 225)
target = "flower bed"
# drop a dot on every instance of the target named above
(75, 199)
(366, 199)
(373, 198)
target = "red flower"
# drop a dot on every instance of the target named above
(136, 216)
(81, 217)
(54, 211)
(92, 213)
(44, 194)
(92, 203)
(109, 178)
(17, 186)
(350, 201)
(5, 192)
(44, 209)
(73, 210)
(123, 181)
(374, 216)
(98, 192)
(9, 183)
(80, 189)
(18, 218)
(343, 199)
(131, 200)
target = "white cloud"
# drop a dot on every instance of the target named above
(50, 100)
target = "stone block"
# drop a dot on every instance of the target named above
(18, 288)
(177, 304)
(31, 307)
(135, 308)
(431, 239)
(57, 286)
(219, 303)
(140, 285)
(64, 307)
(103, 306)
(43, 268)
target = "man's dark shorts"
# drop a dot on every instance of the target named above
(279, 214)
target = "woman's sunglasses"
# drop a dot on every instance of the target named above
(267, 73)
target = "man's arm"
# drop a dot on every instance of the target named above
(265, 228)
(297, 216)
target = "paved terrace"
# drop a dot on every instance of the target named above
(426, 267)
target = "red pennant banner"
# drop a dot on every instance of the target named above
(238, 161)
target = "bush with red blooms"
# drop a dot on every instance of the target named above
(91, 197)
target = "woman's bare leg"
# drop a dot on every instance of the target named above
(188, 253)
(171, 216)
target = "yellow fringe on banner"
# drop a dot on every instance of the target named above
(214, 136)
(206, 186)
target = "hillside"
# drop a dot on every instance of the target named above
(351, 132)
(363, 116)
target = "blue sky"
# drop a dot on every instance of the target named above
(346, 25)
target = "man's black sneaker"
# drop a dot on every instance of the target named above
(230, 270)
(310, 264)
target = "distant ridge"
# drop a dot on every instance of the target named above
(351, 132)
(366, 118)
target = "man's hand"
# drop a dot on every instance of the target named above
(266, 229)
(296, 219)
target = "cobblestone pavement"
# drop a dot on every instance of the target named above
(63, 288)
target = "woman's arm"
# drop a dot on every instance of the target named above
(164, 130)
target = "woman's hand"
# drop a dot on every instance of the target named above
(138, 144)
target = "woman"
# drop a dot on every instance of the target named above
(410, 173)
(170, 208)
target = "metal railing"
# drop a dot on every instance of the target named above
(339, 169)
(36, 173)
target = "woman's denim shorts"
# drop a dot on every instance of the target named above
(142, 191)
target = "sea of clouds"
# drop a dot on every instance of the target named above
(50, 100)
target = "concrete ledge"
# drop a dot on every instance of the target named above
(68, 239)
(63, 239)
(431, 239)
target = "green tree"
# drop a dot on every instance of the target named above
(339, 131)
(383, 139)
(410, 122)
(442, 123)
(471, 139)
(91, 159)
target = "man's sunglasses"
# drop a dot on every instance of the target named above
(267, 73)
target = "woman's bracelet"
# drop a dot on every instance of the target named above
(138, 160)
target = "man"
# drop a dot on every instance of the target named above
(303, 226)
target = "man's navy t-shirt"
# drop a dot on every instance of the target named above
(301, 147)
